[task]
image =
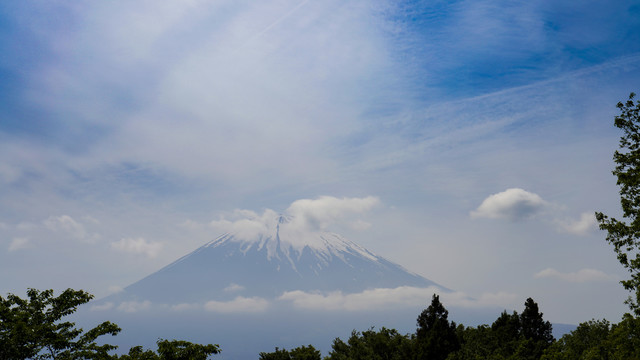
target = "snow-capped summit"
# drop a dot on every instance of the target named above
(267, 259)
(291, 241)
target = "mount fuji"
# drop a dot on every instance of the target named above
(273, 280)
(280, 256)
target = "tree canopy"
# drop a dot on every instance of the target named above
(33, 328)
(624, 235)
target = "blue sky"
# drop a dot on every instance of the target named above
(128, 129)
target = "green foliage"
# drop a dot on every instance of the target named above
(436, 337)
(278, 354)
(625, 235)
(624, 340)
(32, 328)
(511, 336)
(476, 343)
(172, 350)
(299, 353)
(597, 340)
(587, 341)
(386, 344)
(535, 331)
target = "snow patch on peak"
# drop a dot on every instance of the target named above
(283, 235)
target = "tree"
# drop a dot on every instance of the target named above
(511, 336)
(278, 354)
(588, 341)
(506, 334)
(533, 326)
(475, 343)
(172, 350)
(625, 235)
(436, 337)
(299, 353)
(385, 344)
(624, 339)
(32, 328)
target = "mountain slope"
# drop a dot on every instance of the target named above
(280, 257)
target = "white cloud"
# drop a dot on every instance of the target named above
(114, 289)
(580, 276)
(513, 204)
(586, 224)
(19, 243)
(383, 298)
(134, 306)
(138, 246)
(306, 215)
(239, 304)
(318, 214)
(233, 288)
(185, 307)
(66, 223)
(103, 307)
(26, 226)
(246, 224)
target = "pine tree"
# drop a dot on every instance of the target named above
(436, 337)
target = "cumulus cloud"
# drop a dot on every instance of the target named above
(580, 276)
(239, 304)
(305, 215)
(246, 224)
(318, 214)
(138, 246)
(382, 298)
(134, 306)
(513, 204)
(586, 224)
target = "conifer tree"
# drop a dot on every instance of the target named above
(436, 337)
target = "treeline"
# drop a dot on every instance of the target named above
(514, 336)
(34, 328)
